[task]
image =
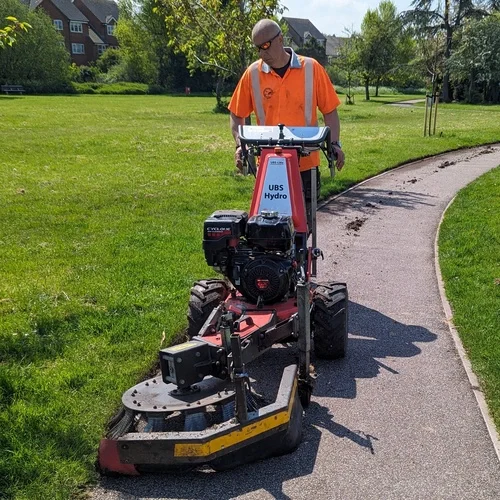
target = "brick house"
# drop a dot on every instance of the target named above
(333, 46)
(87, 26)
(300, 31)
(102, 16)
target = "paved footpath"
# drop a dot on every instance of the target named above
(396, 419)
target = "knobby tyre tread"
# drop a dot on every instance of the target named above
(329, 320)
(205, 296)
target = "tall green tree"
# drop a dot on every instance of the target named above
(146, 54)
(214, 35)
(38, 59)
(143, 39)
(138, 62)
(383, 45)
(475, 62)
(433, 16)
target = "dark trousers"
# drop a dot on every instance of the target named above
(306, 183)
(306, 187)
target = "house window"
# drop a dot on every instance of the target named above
(58, 24)
(101, 48)
(111, 29)
(75, 27)
(78, 48)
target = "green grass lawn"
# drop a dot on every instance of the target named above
(469, 251)
(102, 200)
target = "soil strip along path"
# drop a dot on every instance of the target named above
(398, 417)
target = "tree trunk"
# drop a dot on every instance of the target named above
(447, 52)
(376, 87)
(472, 85)
(494, 92)
(218, 91)
(367, 89)
(446, 87)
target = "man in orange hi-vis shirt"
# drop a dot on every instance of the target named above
(283, 87)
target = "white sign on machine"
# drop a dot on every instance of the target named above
(276, 193)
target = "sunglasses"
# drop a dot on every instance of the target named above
(266, 45)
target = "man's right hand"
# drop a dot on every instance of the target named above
(238, 159)
(339, 157)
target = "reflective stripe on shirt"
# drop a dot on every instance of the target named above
(257, 94)
(308, 91)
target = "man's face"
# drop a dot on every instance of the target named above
(269, 44)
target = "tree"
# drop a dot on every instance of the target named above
(37, 60)
(9, 33)
(433, 16)
(347, 63)
(475, 62)
(170, 67)
(382, 46)
(430, 60)
(145, 53)
(214, 34)
(140, 35)
(138, 62)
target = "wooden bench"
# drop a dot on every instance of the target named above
(12, 89)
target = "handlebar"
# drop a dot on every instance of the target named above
(300, 138)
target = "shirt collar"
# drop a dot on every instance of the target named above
(294, 61)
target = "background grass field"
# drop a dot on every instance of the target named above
(102, 200)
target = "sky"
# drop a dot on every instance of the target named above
(332, 17)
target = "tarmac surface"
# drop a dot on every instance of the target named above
(397, 418)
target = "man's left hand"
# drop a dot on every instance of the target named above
(238, 159)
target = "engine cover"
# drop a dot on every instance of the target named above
(223, 229)
(269, 277)
(271, 232)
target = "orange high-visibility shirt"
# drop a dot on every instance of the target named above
(292, 100)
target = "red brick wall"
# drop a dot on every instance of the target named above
(69, 37)
(96, 25)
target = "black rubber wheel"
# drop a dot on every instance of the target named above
(329, 320)
(205, 296)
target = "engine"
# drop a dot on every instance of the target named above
(256, 254)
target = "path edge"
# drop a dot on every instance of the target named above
(408, 163)
(473, 379)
